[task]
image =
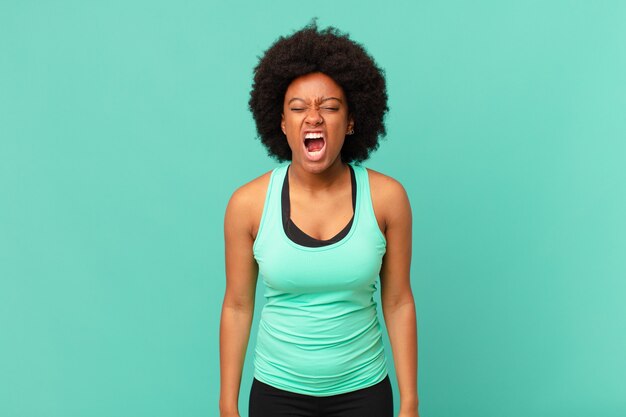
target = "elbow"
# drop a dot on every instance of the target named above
(399, 302)
(238, 304)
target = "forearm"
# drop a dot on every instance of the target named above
(234, 335)
(402, 329)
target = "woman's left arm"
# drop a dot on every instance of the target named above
(396, 295)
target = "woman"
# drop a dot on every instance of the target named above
(319, 231)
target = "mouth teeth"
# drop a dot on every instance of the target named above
(313, 135)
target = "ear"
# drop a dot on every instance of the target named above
(282, 123)
(350, 123)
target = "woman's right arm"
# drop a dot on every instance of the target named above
(238, 305)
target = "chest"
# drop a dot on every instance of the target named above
(351, 265)
(321, 217)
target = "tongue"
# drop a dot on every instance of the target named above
(313, 145)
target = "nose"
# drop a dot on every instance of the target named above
(313, 117)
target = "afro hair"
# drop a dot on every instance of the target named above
(332, 53)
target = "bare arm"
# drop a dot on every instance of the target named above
(396, 295)
(238, 305)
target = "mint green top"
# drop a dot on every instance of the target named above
(319, 333)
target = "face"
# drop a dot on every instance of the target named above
(315, 120)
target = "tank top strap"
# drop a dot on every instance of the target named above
(367, 217)
(271, 216)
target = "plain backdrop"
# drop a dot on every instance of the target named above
(124, 129)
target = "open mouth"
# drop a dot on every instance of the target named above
(314, 144)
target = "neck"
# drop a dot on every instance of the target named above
(316, 181)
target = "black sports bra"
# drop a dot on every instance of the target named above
(298, 236)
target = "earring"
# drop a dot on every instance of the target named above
(350, 132)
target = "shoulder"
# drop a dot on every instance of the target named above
(389, 198)
(246, 203)
(386, 187)
(249, 193)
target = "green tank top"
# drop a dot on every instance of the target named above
(319, 333)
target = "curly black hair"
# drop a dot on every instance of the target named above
(330, 52)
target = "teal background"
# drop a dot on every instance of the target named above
(124, 129)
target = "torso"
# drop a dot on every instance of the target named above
(319, 300)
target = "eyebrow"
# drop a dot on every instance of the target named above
(321, 101)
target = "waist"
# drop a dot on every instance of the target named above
(303, 354)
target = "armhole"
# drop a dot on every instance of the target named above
(370, 204)
(265, 209)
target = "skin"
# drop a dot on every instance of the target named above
(321, 205)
